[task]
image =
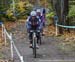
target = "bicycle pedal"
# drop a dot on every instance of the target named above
(37, 47)
(30, 47)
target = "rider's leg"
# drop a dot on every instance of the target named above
(43, 33)
(38, 36)
(30, 39)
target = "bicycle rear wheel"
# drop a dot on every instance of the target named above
(40, 42)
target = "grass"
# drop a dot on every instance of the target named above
(1, 55)
(67, 47)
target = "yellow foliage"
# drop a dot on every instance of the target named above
(9, 13)
(19, 9)
(44, 3)
(21, 6)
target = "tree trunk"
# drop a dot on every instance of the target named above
(59, 11)
(67, 23)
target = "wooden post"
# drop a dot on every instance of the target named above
(2, 31)
(5, 36)
(56, 29)
(11, 46)
(21, 59)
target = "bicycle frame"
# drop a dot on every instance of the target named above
(34, 35)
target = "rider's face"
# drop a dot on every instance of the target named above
(38, 13)
(33, 17)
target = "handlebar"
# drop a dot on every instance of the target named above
(34, 30)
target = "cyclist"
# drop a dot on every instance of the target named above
(39, 14)
(33, 23)
(41, 17)
(44, 16)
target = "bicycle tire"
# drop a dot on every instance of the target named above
(34, 48)
(40, 41)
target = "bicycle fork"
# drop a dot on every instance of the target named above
(34, 36)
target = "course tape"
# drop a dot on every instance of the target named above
(65, 26)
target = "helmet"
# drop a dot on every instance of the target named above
(33, 13)
(38, 10)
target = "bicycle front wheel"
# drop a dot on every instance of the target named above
(34, 47)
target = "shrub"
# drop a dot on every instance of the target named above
(72, 12)
(71, 15)
(50, 17)
(22, 10)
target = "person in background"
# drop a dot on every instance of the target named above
(41, 16)
(44, 16)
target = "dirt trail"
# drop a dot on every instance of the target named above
(48, 50)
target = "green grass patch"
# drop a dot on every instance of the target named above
(1, 55)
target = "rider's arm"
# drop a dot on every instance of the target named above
(40, 25)
(28, 24)
(28, 19)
